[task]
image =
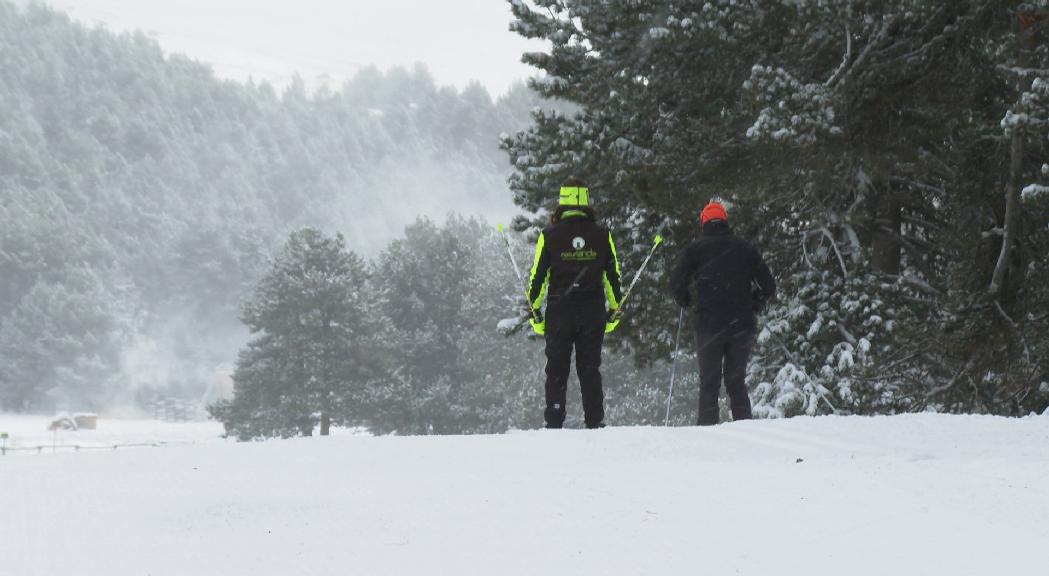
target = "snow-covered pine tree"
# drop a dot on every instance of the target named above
(315, 347)
(60, 344)
(999, 280)
(442, 289)
(857, 240)
(660, 127)
(859, 145)
(507, 371)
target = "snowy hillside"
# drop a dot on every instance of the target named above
(903, 495)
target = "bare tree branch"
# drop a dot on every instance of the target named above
(839, 73)
(1016, 328)
(941, 389)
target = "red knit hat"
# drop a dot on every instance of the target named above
(713, 211)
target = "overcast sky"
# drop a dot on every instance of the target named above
(326, 40)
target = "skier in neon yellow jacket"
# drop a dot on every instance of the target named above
(576, 271)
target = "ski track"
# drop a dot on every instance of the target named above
(904, 495)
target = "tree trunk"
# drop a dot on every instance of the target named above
(326, 371)
(887, 253)
(1012, 184)
(1012, 212)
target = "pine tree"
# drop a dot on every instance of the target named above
(427, 280)
(856, 142)
(314, 349)
(61, 344)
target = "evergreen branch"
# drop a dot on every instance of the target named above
(1022, 72)
(916, 283)
(923, 223)
(918, 185)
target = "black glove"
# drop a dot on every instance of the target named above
(538, 322)
(757, 301)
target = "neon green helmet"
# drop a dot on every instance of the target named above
(575, 196)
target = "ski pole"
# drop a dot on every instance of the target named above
(673, 363)
(655, 246)
(517, 271)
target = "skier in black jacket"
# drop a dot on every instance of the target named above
(730, 281)
(577, 270)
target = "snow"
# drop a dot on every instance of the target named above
(551, 82)
(507, 324)
(1014, 120)
(814, 329)
(918, 494)
(659, 32)
(792, 110)
(1033, 191)
(32, 432)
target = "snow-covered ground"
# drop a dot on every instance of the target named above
(28, 432)
(922, 495)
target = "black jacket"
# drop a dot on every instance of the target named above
(575, 259)
(721, 270)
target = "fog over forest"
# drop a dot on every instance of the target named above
(142, 196)
(888, 161)
(325, 42)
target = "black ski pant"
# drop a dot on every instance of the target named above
(723, 354)
(578, 324)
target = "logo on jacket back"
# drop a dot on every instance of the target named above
(580, 255)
